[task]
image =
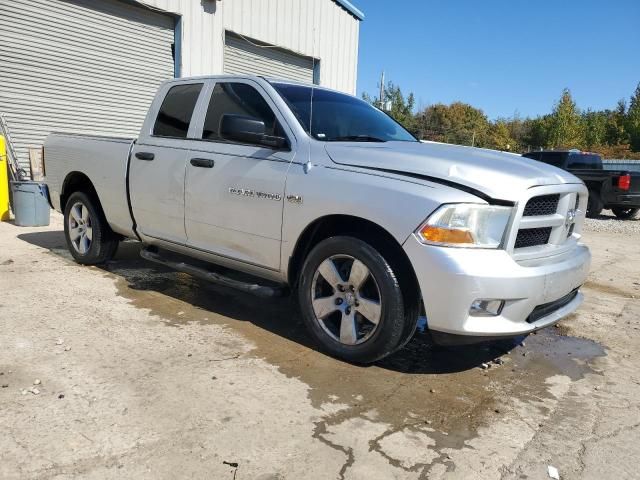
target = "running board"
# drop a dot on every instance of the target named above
(253, 288)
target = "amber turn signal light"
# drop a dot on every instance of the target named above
(433, 234)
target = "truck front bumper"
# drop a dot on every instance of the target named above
(451, 279)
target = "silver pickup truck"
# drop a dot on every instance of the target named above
(304, 189)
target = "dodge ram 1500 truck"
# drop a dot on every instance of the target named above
(305, 189)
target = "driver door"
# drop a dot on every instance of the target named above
(234, 191)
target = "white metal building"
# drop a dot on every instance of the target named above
(92, 66)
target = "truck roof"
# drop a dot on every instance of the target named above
(252, 77)
(571, 150)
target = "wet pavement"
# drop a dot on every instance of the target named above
(436, 397)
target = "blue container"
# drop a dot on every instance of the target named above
(30, 204)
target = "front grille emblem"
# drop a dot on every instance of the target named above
(571, 218)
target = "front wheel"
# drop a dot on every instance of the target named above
(352, 302)
(625, 213)
(89, 237)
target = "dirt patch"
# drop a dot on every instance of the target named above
(611, 289)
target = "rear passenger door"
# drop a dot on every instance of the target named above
(234, 191)
(157, 166)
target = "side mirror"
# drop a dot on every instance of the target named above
(248, 130)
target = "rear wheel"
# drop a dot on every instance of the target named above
(352, 302)
(89, 238)
(625, 213)
(594, 205)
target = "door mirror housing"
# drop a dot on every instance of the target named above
(251, 130)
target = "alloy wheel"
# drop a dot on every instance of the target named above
(80, 228)
(346, 299)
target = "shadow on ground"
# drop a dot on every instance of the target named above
(278, 316)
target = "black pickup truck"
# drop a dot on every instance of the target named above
(612, 189)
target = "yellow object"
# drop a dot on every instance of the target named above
(4, 182)
(445, 235)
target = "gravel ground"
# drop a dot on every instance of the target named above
(608, 223)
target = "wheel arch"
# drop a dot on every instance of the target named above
(365, 230)
(76, 182)
(79, 182)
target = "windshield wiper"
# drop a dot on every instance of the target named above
(355, 138)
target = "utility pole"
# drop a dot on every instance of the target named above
(381, 98)
(473, 139)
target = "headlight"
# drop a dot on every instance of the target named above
(465, 225)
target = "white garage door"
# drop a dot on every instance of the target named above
(243, 56)
(79, 66)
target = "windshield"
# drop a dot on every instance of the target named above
(339, 117)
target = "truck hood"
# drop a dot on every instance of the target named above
(498, 175)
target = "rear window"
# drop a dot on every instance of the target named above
(176, 111)
(553, 158)
(585, 161)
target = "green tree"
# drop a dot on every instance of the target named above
(500, 136)
(396, 105)
(537, 135)
(613, 133)
(458, 123)
(615, 128)
(632, 124)
(565, 128)
(595, 128)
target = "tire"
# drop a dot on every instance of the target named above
(594, 205)
(625, 213)
(374, 309)
(89, 237)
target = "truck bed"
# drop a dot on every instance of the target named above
(99, 158)
(606, 183)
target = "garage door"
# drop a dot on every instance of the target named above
(79, 66)
(243, 56)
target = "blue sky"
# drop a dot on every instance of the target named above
(502, 56)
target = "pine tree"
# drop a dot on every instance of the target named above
(632, 123)
(565, 129)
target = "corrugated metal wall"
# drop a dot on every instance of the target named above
(79, 66)
(320, 29)
(316, 28)
(242, 56)
(202, 38)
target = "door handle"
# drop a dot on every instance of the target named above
(145, 156)
(202, 162)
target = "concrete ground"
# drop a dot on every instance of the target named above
(134, 371)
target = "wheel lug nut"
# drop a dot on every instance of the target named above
(340, 288)
(338, 301)
(352, 288)
(348, 311)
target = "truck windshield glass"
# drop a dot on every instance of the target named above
(340, 118)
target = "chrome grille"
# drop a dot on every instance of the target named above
(542, 205)
(548, 219)
(530, 237)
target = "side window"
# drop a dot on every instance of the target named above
(238, 99)
(176, 111)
